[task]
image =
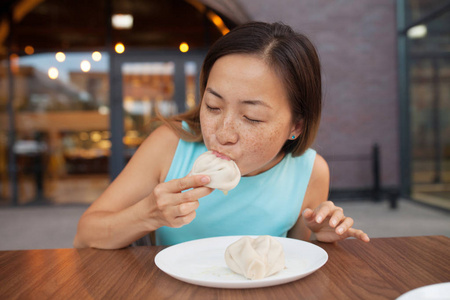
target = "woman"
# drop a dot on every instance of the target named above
(261, 106)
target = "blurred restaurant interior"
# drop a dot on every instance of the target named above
(80, 82)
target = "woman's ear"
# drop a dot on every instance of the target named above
(296, 130)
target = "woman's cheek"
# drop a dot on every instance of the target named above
(255, 143)
(207, 137)
(269, 141)
(206, 130)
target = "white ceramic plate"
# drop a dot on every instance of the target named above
(434, 291)
(202, 262)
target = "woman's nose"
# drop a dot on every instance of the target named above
(226, 133)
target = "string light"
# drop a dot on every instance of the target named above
(120, 48)
(218, 22)
(53, 73)
(60, 56)
(122, 21)
(184, 47)
(85, 66)
(29, 50)
(96, 56)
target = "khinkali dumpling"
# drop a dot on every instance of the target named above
(255, 258)
(224, 174)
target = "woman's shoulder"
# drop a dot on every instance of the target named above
(318, 185)
(320, 170)
(161, 137)
(313, 164)
(320, 164)
(161, 146)
(165, 134)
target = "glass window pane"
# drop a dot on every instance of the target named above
(430, 110)
(417, 9)
(444, 111)
(61, 116)
(5, 196)
(192, 93)
(421, 120)
(148, 89)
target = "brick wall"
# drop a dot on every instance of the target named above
(356, 40)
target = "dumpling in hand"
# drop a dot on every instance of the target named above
(255, 258)
(224, 174)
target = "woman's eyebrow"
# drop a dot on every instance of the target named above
(247, 102)
(210, 90)
(256, 102)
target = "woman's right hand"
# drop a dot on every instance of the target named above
(173, 203)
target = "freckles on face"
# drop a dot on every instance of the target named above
(262, 148)
(245, 112)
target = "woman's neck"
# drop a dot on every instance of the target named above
(279, 157)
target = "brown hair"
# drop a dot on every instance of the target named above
(295, 60)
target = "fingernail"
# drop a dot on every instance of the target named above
(319, 219)
(341, 230)
(205, 179)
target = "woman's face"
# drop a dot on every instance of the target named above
(245, 114)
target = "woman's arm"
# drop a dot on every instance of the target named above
(316, 193)
(320, 217)
(138, 201)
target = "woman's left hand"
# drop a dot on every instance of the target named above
(329, 224)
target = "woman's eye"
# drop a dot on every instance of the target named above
(252, 120)
(210, 108)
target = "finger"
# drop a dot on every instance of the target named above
(359, 234)
(322, 211)
(183, 220)
(188, 201)
(188, 182)
(345, 225)
(186, 208)
(308, 214)
(179, 215)
(337, 217)
(365, 237)
(168, 203)
(193, 194)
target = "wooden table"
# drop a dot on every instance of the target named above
(385, 268)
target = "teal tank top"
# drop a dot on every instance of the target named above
(266, 204)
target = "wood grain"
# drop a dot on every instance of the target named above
(382, 269)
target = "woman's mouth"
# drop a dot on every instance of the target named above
(220, 155)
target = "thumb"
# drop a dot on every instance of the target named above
(308, 214)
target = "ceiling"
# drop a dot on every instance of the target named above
(79, 25)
